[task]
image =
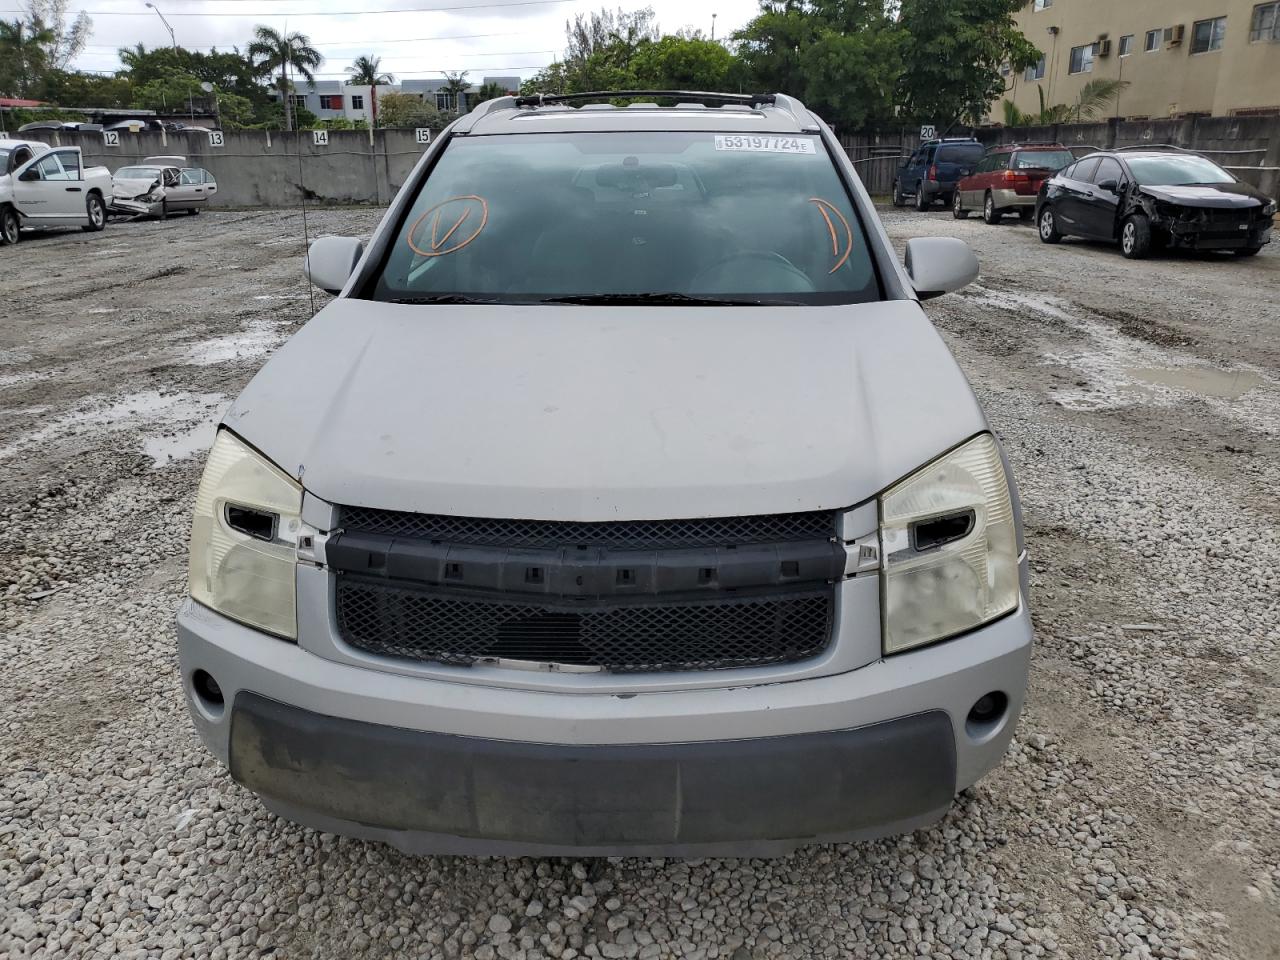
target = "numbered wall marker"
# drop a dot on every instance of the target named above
(111, 138)
(928, 132)
(422, 135)
(215, 138)
(320, 138)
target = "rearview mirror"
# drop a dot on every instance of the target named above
(330, 262)
(939, 265)
(1111, 186)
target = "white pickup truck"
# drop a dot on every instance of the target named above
(43, 186)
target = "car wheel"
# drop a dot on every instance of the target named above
(10, 228)
(96, 210)
(957, 207)
(1247, 251)
(1025, 214)
(898, 199)
(989, 212)
(1048, 226)
(1135, 237)
(922, 202)
(164, 209)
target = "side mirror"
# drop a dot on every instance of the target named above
(939, 265)
(1111, 186)
(330, 262)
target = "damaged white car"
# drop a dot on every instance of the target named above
(160, 186)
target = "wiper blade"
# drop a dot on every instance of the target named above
(652, 299)
(445, 298)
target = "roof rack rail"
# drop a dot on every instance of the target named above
(547, 99)
(1152, 146)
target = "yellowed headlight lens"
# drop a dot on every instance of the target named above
(240, 575)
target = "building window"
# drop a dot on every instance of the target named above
(444, 101)
(1043, 5)
(1082, 58)
(330, 102)
(1207, 35)
(1153, 42)
(298, 100)
(357, 102)
(1266, 22)
(1036, 72)
(1126, 45)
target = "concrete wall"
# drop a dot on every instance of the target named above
(1169, 81)
(258, 168)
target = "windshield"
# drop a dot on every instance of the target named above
(961, 153)
(138, 173)
(1176, 171)
(1042, 159)
(530, 217)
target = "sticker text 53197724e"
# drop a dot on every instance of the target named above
(751, 144)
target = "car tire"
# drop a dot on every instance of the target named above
(1025, 214)
(164, 209)
(922, 202)
(1047, 225)
(192, 211)
(1135, 237)
(10, 226)
(957, 207)
(898, 199)
(96, 211)
(1246, 251)
(989, 212)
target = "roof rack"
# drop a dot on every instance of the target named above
(1032, 143)
(1152, 146)
(548, 99)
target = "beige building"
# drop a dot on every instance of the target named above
(1179, 57)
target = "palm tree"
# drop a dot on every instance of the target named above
(24, 48)
(365, 73)
(455, 86)
(271, 51)
(1094, 97)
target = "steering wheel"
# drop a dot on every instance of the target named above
(751, 271)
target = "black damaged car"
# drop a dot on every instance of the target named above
(1153, 199)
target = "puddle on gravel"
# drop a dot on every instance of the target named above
(172, 421)
(1011, 300)
(1209, 381)
(257, 339)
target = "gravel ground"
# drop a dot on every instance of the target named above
(1138, 811)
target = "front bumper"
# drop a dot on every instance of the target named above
(136, 207)
(437, 766)
(1192, 235)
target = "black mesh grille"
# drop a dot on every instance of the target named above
(618, 535)
(423, 623)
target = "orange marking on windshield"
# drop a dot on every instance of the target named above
(438, 242)
(823, 207)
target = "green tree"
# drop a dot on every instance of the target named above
(166, 94)
(24, 55)
(409, 110)
(1093, 99)
(490, 91)
(953, 52)
(679, 63)
(74, 89)
(455, 87)
(367, 72)
(273, 52)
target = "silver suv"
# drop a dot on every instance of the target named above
(624, 500)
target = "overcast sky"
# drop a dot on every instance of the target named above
(494, 36)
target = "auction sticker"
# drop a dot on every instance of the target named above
(751, 144)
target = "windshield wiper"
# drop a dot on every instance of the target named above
(658, 299)
(445, 298)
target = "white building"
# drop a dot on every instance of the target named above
(331, 99)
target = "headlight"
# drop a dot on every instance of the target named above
(949, 546)
(244, 538)
(1269, 210)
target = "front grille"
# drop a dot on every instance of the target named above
(424, 622)
(617, 535)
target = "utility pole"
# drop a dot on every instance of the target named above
(713, 27)
(173, 42)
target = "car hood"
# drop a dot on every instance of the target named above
(589, 413)
(129, 187)
(1232, 195)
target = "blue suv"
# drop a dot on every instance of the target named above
(933, 171)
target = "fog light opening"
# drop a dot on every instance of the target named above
(208, 691)
(986, 714)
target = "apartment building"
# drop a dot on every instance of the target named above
(1179, 57)
(330, 99)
